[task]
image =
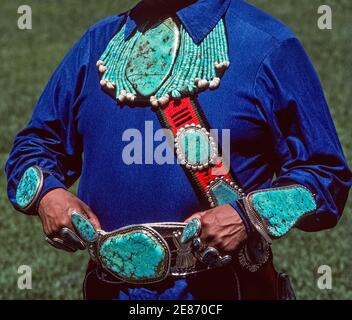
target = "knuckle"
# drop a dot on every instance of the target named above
(204, 222)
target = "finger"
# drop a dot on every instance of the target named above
(45, 228)
(210, 242)
(207, 237)
(63, 223)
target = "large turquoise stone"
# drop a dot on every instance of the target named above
(223, 193)
(134, 256)
(84, 227)
(195, 146)
(281, 208)
(28, 187)
(152, 57)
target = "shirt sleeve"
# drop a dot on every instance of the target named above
(51, 141)
(306, 147)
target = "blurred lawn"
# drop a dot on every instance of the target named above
(28, 59)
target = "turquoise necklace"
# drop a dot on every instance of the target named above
(161, 62)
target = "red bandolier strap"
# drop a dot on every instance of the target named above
(187, 112)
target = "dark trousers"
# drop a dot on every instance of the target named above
(221, 284)
(230, 283)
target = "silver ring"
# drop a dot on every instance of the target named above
(66, 240)
(197, 244)
(71, 238)
(212, 258)
(58, 244)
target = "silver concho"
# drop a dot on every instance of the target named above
(260, 252)
(195, 148)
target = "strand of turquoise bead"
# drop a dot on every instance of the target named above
(188, 68)
(217, 45)
(223, 41)
(110, 74)
(197, 64)
(207, 58)
(202, 74)
(114, 73)
(112, 44)
(189, 81)
(177, 86)
(213, 58)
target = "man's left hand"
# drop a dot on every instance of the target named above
(222, 228)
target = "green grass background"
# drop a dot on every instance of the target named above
(29, 57)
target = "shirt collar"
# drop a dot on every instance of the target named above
(198, 18)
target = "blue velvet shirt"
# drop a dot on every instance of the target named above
(270, 98)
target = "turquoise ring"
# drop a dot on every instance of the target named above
(191, 230)
(83, 227)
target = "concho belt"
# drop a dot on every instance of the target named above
(148, 253)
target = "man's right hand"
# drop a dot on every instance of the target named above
(55, 210)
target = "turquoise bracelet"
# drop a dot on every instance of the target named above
(275, 211)
(29, 188)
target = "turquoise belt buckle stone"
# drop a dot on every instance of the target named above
(136, 254)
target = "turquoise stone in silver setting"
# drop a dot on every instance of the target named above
(152, 58)
(29, 187)
(223, 191)
(195, 148)
(191, 230)
(84, 227)
(281, 208)
(136, 256)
